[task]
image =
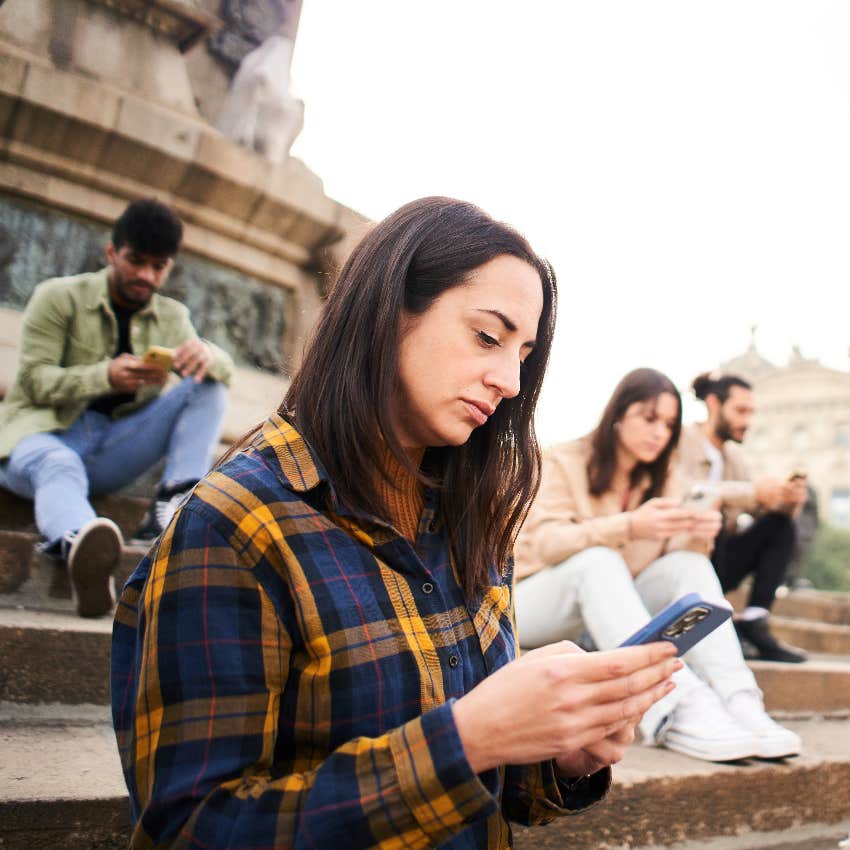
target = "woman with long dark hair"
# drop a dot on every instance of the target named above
(319, 652)
(608, 543)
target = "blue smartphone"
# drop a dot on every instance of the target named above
(684, 622)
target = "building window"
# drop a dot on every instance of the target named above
(842, 435)
(839, 507)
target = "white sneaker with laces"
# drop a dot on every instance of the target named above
(701, 727)
(774, 741)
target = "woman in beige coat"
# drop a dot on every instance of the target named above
(609, 542)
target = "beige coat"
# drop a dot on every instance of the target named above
(736, 491)
(565, 519)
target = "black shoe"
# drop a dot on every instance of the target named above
(163, 506)
(757, 633)
(92, 554)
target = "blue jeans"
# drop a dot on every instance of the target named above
(98, 455)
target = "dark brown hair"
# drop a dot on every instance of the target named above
(717, 384)
(638, 386)
(341, 398)
(149, 227)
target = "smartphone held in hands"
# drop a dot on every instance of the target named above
(159, 356)
(683, 623)
(700, 497)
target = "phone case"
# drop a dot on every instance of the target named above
(684, 623)
(158, 356)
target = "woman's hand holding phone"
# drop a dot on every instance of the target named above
(658, 519)
(559, 702)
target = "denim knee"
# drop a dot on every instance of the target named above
(60, 462)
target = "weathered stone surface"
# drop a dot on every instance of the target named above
(50, 658)
(658, 797)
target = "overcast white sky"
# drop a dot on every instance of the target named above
(685, 166)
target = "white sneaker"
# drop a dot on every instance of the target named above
(701, 727)
(774, 741)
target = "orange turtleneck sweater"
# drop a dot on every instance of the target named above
(403, 497)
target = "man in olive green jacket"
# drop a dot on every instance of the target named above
(86, 413)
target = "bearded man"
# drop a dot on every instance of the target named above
(758, 534)
(87, 413)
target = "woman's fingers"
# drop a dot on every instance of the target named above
(620, 663)
(634, 683)
(587, 726)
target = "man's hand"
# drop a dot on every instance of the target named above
(777, 495)
(770, 492)
(128, 373)
(193, 358)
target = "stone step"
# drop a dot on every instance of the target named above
(54, 658)
(660, 798)
(61, 658)
(816, 836)
(60, 780)
(32, 580)
(61, 786)
(811, 635)
(823, 606)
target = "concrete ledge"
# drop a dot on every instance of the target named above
(812, 636)
(817, 685)
(660, 797)
(821, 605)
(62, 784)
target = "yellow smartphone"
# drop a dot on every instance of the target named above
(159, 356)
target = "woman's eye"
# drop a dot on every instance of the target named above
(487, 340)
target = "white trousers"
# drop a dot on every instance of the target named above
(594, 591)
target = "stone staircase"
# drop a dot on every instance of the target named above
(61, 783)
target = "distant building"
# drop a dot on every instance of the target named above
(802, 422)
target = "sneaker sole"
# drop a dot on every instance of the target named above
(730, 751)
(777, 750)
(93, 558)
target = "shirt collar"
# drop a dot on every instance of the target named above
(294, 460)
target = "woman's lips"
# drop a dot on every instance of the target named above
(478, 411)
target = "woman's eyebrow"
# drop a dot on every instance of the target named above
(506, 322)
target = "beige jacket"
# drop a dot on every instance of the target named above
(565, 519)
(737, 491)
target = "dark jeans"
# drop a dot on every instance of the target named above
(763, 551)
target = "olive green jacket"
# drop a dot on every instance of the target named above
(69, 336)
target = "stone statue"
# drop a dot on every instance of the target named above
(247, 24)
(259, 112)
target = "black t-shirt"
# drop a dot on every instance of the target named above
(106, 404)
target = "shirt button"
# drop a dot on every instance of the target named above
(427, 587)
(453, 661)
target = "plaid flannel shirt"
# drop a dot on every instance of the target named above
(283, 673)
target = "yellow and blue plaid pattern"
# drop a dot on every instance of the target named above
(283, 671)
